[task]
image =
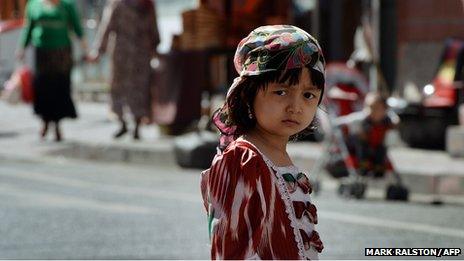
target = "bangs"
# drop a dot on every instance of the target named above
(290, 77)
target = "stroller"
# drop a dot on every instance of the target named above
(346, 90)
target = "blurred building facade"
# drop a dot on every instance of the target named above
(423, 26)
(410, 34)
(11, 9)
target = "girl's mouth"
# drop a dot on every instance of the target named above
(291, 122)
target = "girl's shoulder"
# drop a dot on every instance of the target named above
(239, 163)
(242, 149)
(240, 144)
(242, 155)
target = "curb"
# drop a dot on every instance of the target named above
(124, 153)
(441, 180)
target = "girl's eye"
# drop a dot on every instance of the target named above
(280, 92)
(309, 95)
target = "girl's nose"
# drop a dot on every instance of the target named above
(294, 105)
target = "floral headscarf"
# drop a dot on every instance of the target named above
(266, 49)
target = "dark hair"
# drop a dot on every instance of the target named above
(242, 98)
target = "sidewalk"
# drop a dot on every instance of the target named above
(89, 137)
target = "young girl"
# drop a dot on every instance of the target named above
(257, 201)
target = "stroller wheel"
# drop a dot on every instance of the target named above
(357, 190)
(397, 192)
(342, 189)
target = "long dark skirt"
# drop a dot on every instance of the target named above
(52, 84)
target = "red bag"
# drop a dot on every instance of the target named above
(27, 89)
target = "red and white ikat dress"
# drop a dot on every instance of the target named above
(257, 210)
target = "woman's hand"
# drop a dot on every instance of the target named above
(93, 57)
(86, 55)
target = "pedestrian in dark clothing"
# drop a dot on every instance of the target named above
(47, 29)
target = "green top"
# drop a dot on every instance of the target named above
(48, 26)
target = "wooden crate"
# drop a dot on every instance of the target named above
(202, 28)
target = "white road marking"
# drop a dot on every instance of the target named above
(391, 224)
(70, 182)
(37, 199)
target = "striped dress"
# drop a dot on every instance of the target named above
(257, 210)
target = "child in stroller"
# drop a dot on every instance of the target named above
(354, 146)
(368, 137)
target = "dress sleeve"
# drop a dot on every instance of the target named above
(155, 36)
(235, 203)
(107, 25)
(28, 26)
(74, 20)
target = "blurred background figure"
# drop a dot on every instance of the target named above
(375, 122)
(134, 35)
(47, 29)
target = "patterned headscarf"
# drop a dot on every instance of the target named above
(267, 49)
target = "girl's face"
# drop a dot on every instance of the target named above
(284, 110)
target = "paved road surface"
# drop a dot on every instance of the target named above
(66, 209)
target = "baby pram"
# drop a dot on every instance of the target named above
(346, 89)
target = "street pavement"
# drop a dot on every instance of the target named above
(71, 209)
(84, 210)
(59, 206)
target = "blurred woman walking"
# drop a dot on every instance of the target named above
(133, 26)
(47, 28)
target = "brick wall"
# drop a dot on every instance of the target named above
(429, 20)
(423, 26)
